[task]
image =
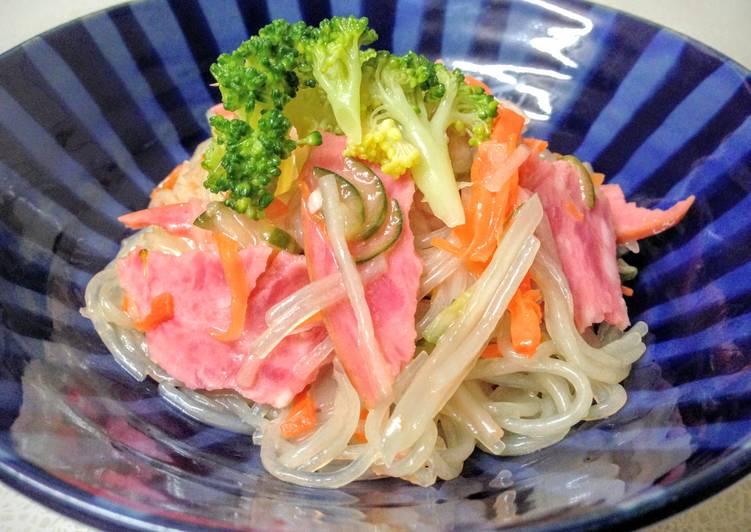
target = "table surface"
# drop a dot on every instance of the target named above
(722, 29)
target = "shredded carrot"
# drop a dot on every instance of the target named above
(276, 208)
(359, 435)
(598, 178)
(627, 291)
(445, 245)
(473, 81)
(574, 211)
(162, 309)
(526, 316)
(315, 318)
(234, 274)
(491, 351)
(302, 417)
(487, 211)
(507, 127)
(536, 145)
(125, 305)
(168, 183)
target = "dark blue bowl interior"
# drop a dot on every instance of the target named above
(94, 113)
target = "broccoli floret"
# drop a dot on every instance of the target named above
(311, 111)
(466, 108)
(244, 160)
(257, 81)
(336, 61)
(384, 145)
(425, 99)
(266, 70)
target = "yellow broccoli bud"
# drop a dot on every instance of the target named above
(384, 145)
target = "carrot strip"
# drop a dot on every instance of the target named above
(537, 146)
(359, 435)
(486, 210)
(302, 417)
(162, 309)
(507, 127)
(445, 245)
(234, 274)
(276, 209)
(474, 82)
(491, 351)
(598, 178)
(313, 320)
(627, 291)
(168, 183)
(573, 211)
(125, 305)
(526, 316)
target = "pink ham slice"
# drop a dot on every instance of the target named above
(184, 347)
(391, 298)
(634, 223)
(586, 242)
(176, 218)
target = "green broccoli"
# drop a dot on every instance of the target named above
(424, 99)
(245, 160)
(336, 62)
(270, 83)
(319, 79)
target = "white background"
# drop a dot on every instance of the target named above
(721, 24)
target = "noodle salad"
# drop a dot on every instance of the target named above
(371, 270)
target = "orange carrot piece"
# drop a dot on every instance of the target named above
(474, 82)
(445, 245)
(627, 291)
(491, 351)
(598, 178)
(276, 209)
(537, 146)
(526, 316)
(162, 309)
(302, 417)
(507, 127)
(359, 435)
(487, 211)
(168, 183)
(574, 211)
(234, 274)
(125, 305)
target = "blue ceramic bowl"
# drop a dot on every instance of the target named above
(93, 113)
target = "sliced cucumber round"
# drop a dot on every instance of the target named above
(352, 201)
(241, 228)
(586, 186)
(383, 239)
(373, 194)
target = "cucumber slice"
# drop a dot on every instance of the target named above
(383, 239)
(352, 201)
(626, 271)
(220, 218)
(586, 186)
(373, 194)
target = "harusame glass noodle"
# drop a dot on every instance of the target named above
(445, 402)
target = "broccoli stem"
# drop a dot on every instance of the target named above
(433, 174)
